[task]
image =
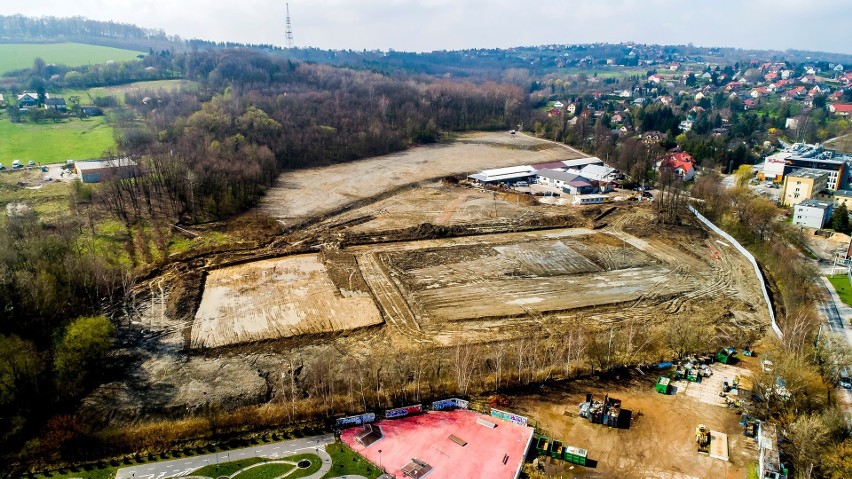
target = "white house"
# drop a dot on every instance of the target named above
(558, 104)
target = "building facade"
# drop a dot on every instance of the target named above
(812, 213)
(802, 185)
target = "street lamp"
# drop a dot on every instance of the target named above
(380, 461)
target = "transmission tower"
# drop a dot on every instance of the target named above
(289, 30)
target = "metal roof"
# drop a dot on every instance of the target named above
(100, 164)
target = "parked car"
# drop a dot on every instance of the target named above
(522, 183)
(17, 164)
(2, 167)
(31, 163)
(845, 380)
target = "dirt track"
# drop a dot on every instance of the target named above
(301, 194)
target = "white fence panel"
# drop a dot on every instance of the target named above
(751, 259)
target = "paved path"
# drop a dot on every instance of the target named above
(837, 314)
(182, 467)
(835, 311)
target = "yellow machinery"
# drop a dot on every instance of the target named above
(702, 437)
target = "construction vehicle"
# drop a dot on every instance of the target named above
(702, 437)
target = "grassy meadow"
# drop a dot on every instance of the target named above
(15, 56)
(49, 142)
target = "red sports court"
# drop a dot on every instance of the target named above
(444, 444)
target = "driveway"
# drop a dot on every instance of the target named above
(182, 467)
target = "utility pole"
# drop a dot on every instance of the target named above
(289, 30)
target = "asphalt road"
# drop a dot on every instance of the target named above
(182, 467)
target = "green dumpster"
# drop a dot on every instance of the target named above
(575, 455)
(663, 385)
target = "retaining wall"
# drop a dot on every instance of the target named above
(751, 259)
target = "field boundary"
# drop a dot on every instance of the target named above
(751, 259)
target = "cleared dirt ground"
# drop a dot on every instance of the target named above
(660, 442)
(302, 194)
(274, 299)
(431, 264)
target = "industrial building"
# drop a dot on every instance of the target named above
(800, 155)
(512, 174)
(803, 184)
(567, 182)
(95, 171)
(812, 213)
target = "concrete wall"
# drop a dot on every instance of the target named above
(751, 260)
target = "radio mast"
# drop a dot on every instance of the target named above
(289, 30)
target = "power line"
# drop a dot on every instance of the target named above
(289, 30)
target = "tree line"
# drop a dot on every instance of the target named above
(213, 156)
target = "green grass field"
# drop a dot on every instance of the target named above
(844, 289)
(347, 462)
(50, 142)
(15, 56)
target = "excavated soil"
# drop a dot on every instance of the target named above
(435, 264)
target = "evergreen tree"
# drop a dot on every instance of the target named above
(840, 219)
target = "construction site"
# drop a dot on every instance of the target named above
(392, 254)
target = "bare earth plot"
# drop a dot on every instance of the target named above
(499, 269)
(660, 443)
(276, 299)
(305, 193)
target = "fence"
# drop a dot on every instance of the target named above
(751, 259)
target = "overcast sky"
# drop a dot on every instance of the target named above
(428, 25)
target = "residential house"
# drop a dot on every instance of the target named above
(791, 124)
(666, 100)
(655, 79)
(812, 213)
(685, 125)
(838, 68)
(653, 137)
(554, 112)
(29, 100)
(759, 92)
(749, 104)
(640, 101)
(803, 184)
(625, 94)
(558, 104)
(699, 96)
(682, 164)
(572, 108)
(841, 109)
(2, 100)
(617, 117)
(706, 76)
(57, 104)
